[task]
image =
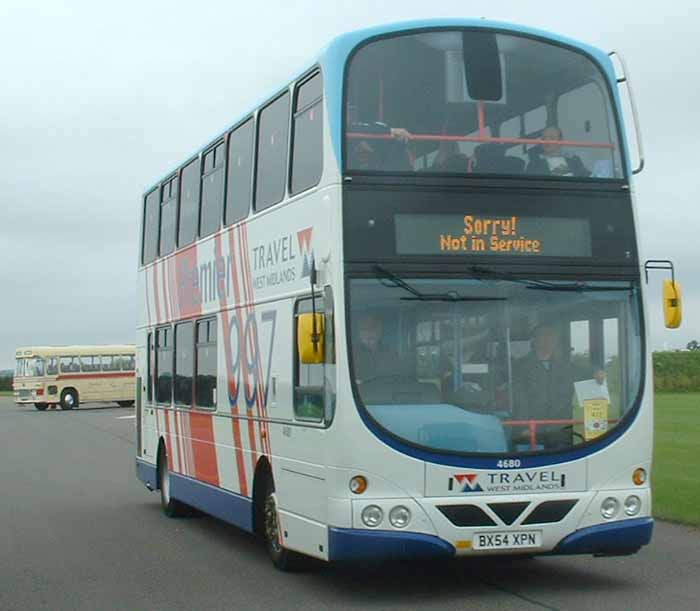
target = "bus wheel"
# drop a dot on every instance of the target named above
(69, 398)
(41, 406)
(283, 559)
(171, 507)
(125, 403)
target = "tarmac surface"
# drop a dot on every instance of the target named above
(79, 531)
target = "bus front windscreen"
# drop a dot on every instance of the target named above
(494, 365)
(29, 367)
(478, 102)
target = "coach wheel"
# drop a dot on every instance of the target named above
(171, 507)
(69, 398)
(41, 406)
(125, 403)
(283, 559)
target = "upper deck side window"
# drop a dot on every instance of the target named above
(168, 215)
(273, 136)
(239, 184)
(213, 175)
(307, 137)
(189, 203)
(477, 102)
(151, 221)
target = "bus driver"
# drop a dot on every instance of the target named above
(544, 383)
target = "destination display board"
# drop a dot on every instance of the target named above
(479, 234)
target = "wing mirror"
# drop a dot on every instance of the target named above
(673, 303)
(310, 338)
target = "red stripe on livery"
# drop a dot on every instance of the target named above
(262, 407)
(250, 311)
(204, 448)
(168, 441)
(90, 376)
(231, 383)
(156, 295)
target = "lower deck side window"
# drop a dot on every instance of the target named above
(205, 386)
(164, 365)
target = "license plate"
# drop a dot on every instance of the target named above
(25, 394)
(508, 540)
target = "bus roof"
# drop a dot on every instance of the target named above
(77, 350)
(333, 56)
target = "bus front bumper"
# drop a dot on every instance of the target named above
(619, 538)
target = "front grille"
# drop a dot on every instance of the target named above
(550, 512)
(466, 515)
(508, 512)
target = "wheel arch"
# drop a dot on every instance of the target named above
(161, 444)
(263, 476)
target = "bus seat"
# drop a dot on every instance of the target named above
(492, 159)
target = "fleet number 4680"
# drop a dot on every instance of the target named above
(512, 463)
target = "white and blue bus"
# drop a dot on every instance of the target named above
(396, 310)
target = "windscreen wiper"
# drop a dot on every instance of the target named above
(391, 279)
(542, 285)
(579, 287)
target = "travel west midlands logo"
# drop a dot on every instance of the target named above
(508, 482)
(465, 482)
(304, 238)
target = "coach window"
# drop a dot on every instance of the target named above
(90, 363)
(110, 363)
(239, 186)
(212, 189)
(273, 132)
(184, 363)
(307, 141)
(205, 387)
(313, 385)
(129, 362)
(70, 364)
(151, 212)
(189, 203)
(164, 365)
(168, 216)
(51, 366)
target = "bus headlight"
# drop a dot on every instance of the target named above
(372, 516)
(399, 516)
(608, 508)
(632, 505)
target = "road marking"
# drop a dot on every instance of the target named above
(132, 417)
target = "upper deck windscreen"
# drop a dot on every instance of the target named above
(462, 102)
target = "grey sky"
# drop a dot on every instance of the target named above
(100, 99)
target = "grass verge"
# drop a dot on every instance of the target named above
(675, 476)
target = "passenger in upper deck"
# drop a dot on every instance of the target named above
(387, 154)
(548, 159)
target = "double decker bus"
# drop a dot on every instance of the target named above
(396, 309)
(66, 376)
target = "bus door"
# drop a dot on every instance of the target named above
(146, 426)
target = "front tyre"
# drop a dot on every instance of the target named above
(69, 398)
(171, 507)
(283, 559)
(125, 403)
